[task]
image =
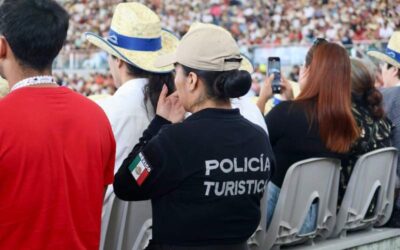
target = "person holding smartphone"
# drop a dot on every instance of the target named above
(280, 88)
(318, 123)
(206, 175)
(267, 92)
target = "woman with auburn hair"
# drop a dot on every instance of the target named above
(318, 123)
(327, 97)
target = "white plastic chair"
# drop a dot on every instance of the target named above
(257, 239)
(128, 225)
(373, 172)
(305, 181)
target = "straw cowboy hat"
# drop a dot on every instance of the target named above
(392, 53)
(212, 57)
(136, 37)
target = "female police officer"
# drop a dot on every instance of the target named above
(206, 175)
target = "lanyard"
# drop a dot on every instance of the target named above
(36, 80)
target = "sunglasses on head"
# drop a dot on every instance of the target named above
(319, 41)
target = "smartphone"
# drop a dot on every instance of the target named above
(274, 67)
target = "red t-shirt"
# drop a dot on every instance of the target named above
(57, 153)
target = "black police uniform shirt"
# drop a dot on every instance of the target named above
(205, 177)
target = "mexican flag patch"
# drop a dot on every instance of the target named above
(140, 169)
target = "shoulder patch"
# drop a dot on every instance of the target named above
(140, 169)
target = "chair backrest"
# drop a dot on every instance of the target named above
(125, 225)
(305, 181)
(257, 239)
(373, 172)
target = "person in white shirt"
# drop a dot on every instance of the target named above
(385, 31)
(249, 110)
(135, 40)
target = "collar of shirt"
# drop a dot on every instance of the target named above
(134, 85)
(215, 113)
(128, 99)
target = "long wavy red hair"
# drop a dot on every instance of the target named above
(328, 89)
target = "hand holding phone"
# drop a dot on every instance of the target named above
(266, 91)
(274, 67)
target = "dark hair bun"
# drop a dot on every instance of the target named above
(374, 100)
(233, 84)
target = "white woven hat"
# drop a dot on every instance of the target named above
(392, 53)
(136, 37)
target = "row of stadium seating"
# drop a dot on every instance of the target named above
(318, 179)
(311, 180)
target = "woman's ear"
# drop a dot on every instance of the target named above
(394, 71)
(3, 47)
(120, 63)
(192, 81)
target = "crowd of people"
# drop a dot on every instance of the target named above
(167, 146)
(87, 84)
(256, 22)
(252, 23)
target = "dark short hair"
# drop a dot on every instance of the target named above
(155, 83)
(363, 88)
(35, 30)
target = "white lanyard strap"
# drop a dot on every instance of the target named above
(36, 80)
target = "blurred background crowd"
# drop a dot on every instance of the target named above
(260, 26)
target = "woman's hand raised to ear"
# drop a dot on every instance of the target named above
(169, 107)
(177, 112)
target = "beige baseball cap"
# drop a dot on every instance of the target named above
(205, 47)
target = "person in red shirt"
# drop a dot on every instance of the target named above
(57, 148)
